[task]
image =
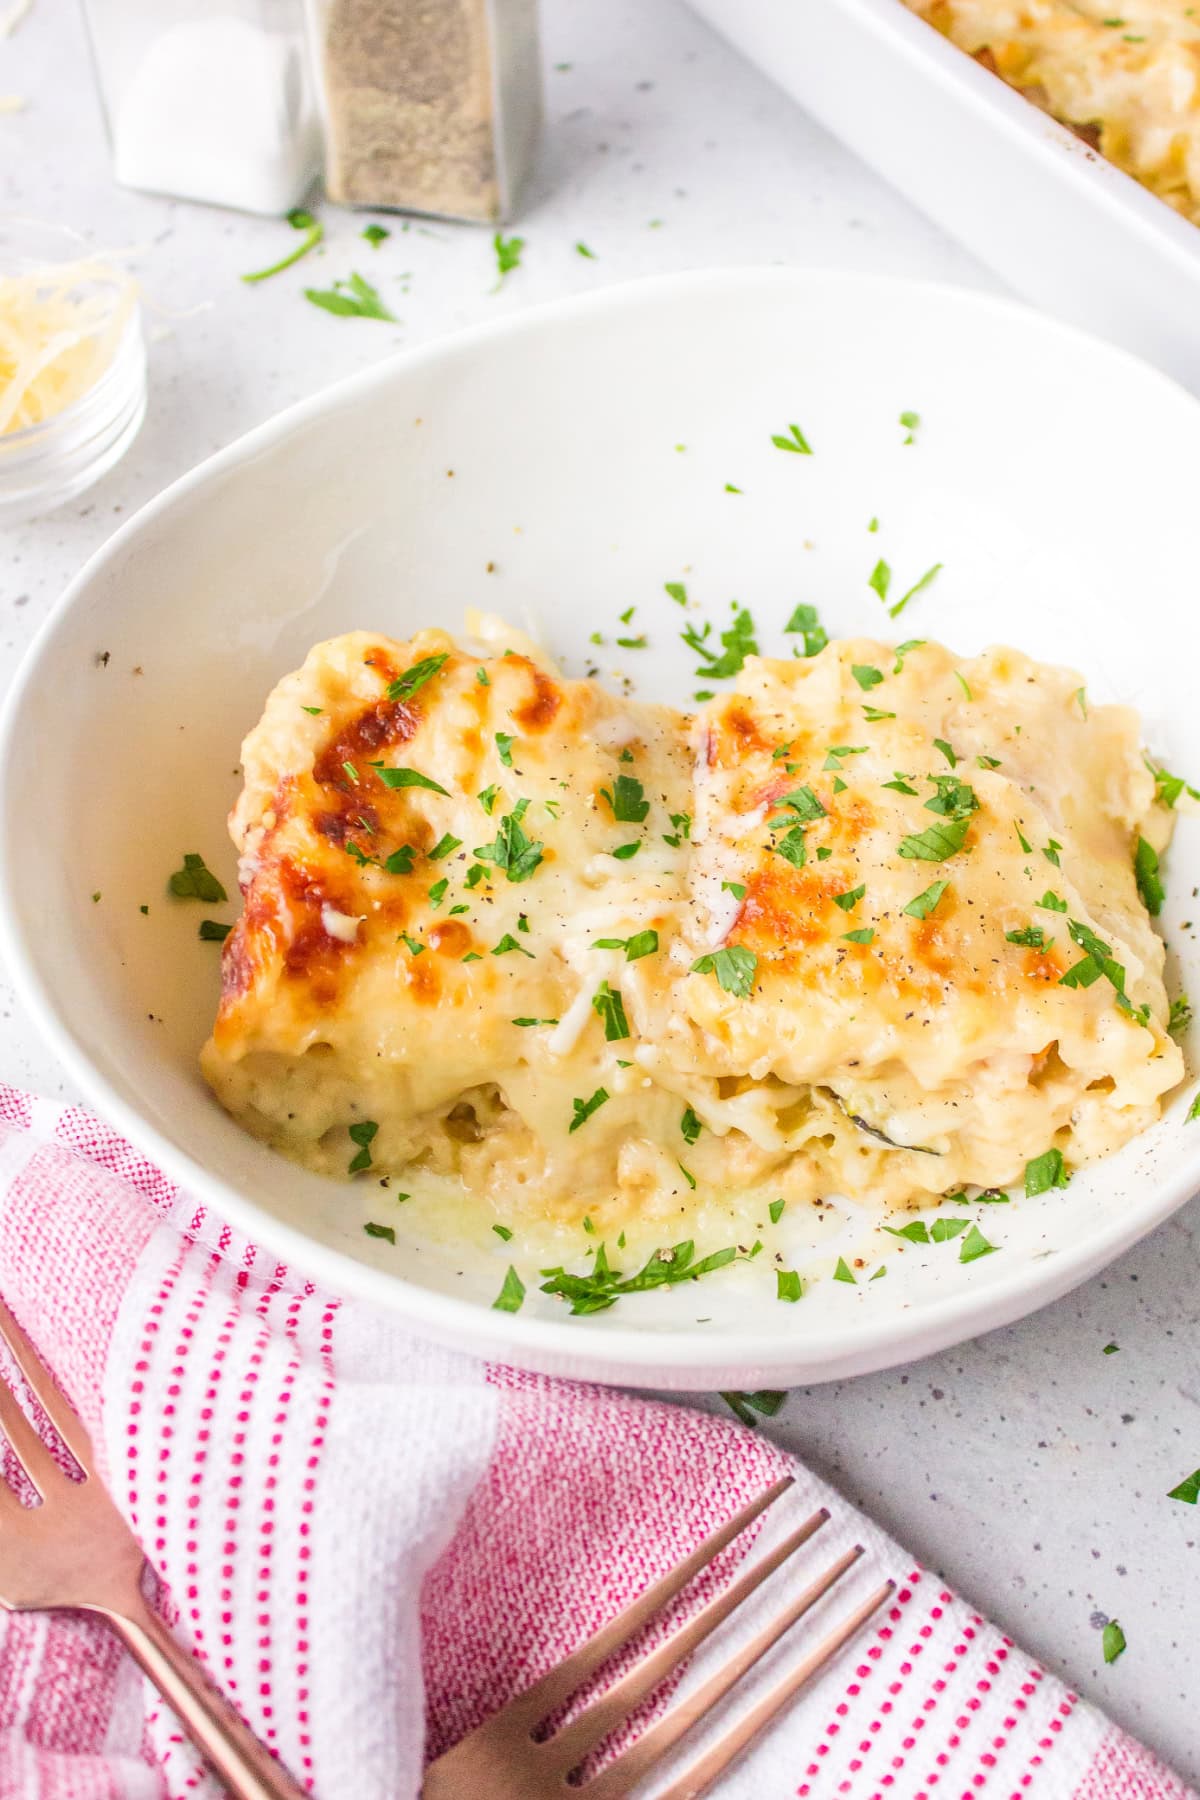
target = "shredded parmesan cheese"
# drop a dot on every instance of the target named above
(60, 327)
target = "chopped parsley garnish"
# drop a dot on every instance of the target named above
(508, 254)
(437, 892)
(1051, 902)
(954, 799)
(387, 1232)
(509, 943)
(412, 944)
(627, 800)
(850, 899)
(900, 785)
(633, 643)
(916, 1232)
(836, 752)
(610, 1008)
(1096, 961)
(352, 299)
(938, 843)
(407, 778)
(313, 231)
(1031, 936)
(642, 943)
(362, 1134)
(1111, 1350)
(213, 932)
(474, 875)
(195, 881)
(581, 249)
(1045, 1172)
(803, 802)
(583, 1109)
(535, 1021)
(1149, 881)
(788, 1285)
(677, 591)
(805, 622)
(1168, 787)
(739, 643)
(733, 966)
(988, 762)
(483, 678)
(504, 744)
(512, 1291)
(925, 903)
(910, 421)
(776, 1210)
(406, 685)
(1188, 1490)
(1179, 1020)
(865, 936)
(962, 680)
(1193, 1111)
(683, 829)
(400, 861)
(316, 711)
(874, 714)
(792, 847)
(730, 489)
(603, 1285)
(512, 850)
(375, 235)
(1112, 1641)
(687, 1176)
(942, 1229)
(844, 1272)
(947, 752)
(866, 676)
(736, 888)
(975, 1245)
(766, 1401)
(880, 579)
(623, 852)
(1050, 852)
(795, 441)
(916, 588)
(902, 651)
(503, 1233)
(690, 1125)
(444, 846)
(1024, 842)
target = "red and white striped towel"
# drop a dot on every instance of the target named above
(371, 1543)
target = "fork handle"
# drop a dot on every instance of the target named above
(247, 1768)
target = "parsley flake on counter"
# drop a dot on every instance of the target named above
(1045, 1172)
(795, 441)
(776, 1210)
(866, 676)
(195, 881)
(362, 1134)
(387, 1232)
(690, 1125)
(375, 235)
(730, 489)
(1031, 936)
(512, 850)
(406, 685)
(611, 1011)
(788, 1285)
(850, 899)
(918, 587)
(512, 1293)
(627, 799)
(938, 843)
(766, 1401)
(1111, 1350)
(910, 421)
(583, 1109)
(844, 1272)
(677, 592)
(734, 967)
(1050, 902)
(313, 230)
(1146, 874)
(352, 299)
(865, 936)
(504, 744)
(1112, 1641)
(213, 932)
(805, 622)
(975, 1245)
(508, 254)
(925, 902)
(880, 579)
(581, 249)
(1188, 1490)
(406, 778)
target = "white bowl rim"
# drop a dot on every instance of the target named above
(625, 1352)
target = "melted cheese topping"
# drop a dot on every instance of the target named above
(1128, 78)
(440, 891)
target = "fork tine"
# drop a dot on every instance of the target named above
(709, 1767)
(58, 1410)
(624, 1774)
(558, 1684)
(570, 1745)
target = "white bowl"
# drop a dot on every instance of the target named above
(584, 450)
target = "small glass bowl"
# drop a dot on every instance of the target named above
(44, 465)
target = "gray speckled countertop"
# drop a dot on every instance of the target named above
(1026, 1466)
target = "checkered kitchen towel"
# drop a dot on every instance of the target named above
(371, 1543)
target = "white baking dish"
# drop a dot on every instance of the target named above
(1066, 228)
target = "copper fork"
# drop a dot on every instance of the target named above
(507, 1758)
(75, 1551)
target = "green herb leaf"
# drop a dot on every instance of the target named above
(917, 588)
(925, 903)
(733, 966)
(400, 862)
(776, 1210)
(880, 579)
(1112, 1641)
(803, 802)
(1168, 788)
(354, 299)
(1180, 1015)
(910, 421)
(1050, 902)
(902, 651)
(504, 744)
(623, 852)
(850, 899)
(195, 881)
(975, 1245)
(1149, 881)
(938, 843)
(1188, 1490)
(388, 1232)
(954, 799)
(583, 1109)
(611, 1011)
(362, 1134)
(213, 932)
(795, 441)
(1031, 936)
(1045, 1172)
(512, 850)
(503, 1233)
(988, 762)
(581, 249)
(407, 778)
(788, 1285)
(316, 711)
(627, 799)
(766, 1401)
(313, 231)
(739, 642)
(942, 1230)
(677, 591)
(736, 888)
(900, 785)
(1024, 842)
(917, 1232)
(508, 254)
(406, 685)
(507, 944)
(844, 1272)
(947, 752)
(866, 676)
(690, 1125)
(1050, 852)
(806, 623)
(865, 936)
(512, 1293)
(535, 1021)
(375, 235)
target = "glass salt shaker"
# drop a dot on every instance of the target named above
(430, 106)
(209, 99)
